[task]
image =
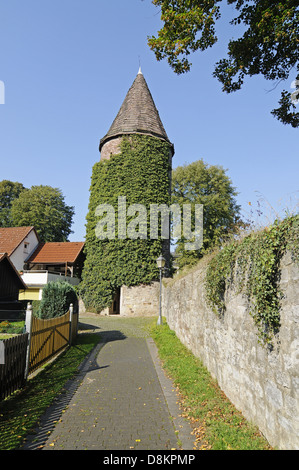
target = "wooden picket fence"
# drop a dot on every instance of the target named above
(48, 338)
(12, 372)
(24, 354)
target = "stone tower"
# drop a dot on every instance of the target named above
(123, 270)
(137, 115)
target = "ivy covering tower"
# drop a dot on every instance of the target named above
(134, 172)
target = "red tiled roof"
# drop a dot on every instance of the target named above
(11, 237)
(56, 253)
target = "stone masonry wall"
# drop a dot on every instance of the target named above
(140, 300)
(136, 301)
(263, 385)
(111, 147)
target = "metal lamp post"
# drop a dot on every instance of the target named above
(160, 264)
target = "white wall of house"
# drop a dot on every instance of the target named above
(36, 281)
(24, 250)
(41, 278)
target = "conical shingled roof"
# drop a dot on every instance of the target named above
(137, 115)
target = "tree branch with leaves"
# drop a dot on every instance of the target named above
(269, 46)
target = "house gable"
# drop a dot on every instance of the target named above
(18, 243)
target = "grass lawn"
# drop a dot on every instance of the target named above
(218, 425)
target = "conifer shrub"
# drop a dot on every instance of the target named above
(56, 299)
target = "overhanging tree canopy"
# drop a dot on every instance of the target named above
(269, 45)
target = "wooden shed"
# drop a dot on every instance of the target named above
(10, 285)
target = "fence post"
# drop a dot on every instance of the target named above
(28, 328)
(71, 323)
(2, 353)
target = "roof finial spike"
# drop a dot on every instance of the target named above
(139, 71)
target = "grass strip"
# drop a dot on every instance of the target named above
(20, 413)
(217, 424)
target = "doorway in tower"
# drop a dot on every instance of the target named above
(115, 307)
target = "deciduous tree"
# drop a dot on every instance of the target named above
(9, 191)
(45, 208)
(269, 45)
(200, 183)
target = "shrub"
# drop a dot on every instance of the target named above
(56, 299)
(4, 326)
(256, 260)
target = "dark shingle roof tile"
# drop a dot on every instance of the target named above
(137, 114)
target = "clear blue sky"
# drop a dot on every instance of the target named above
(67, 66)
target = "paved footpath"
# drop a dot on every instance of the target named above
(120, 400)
